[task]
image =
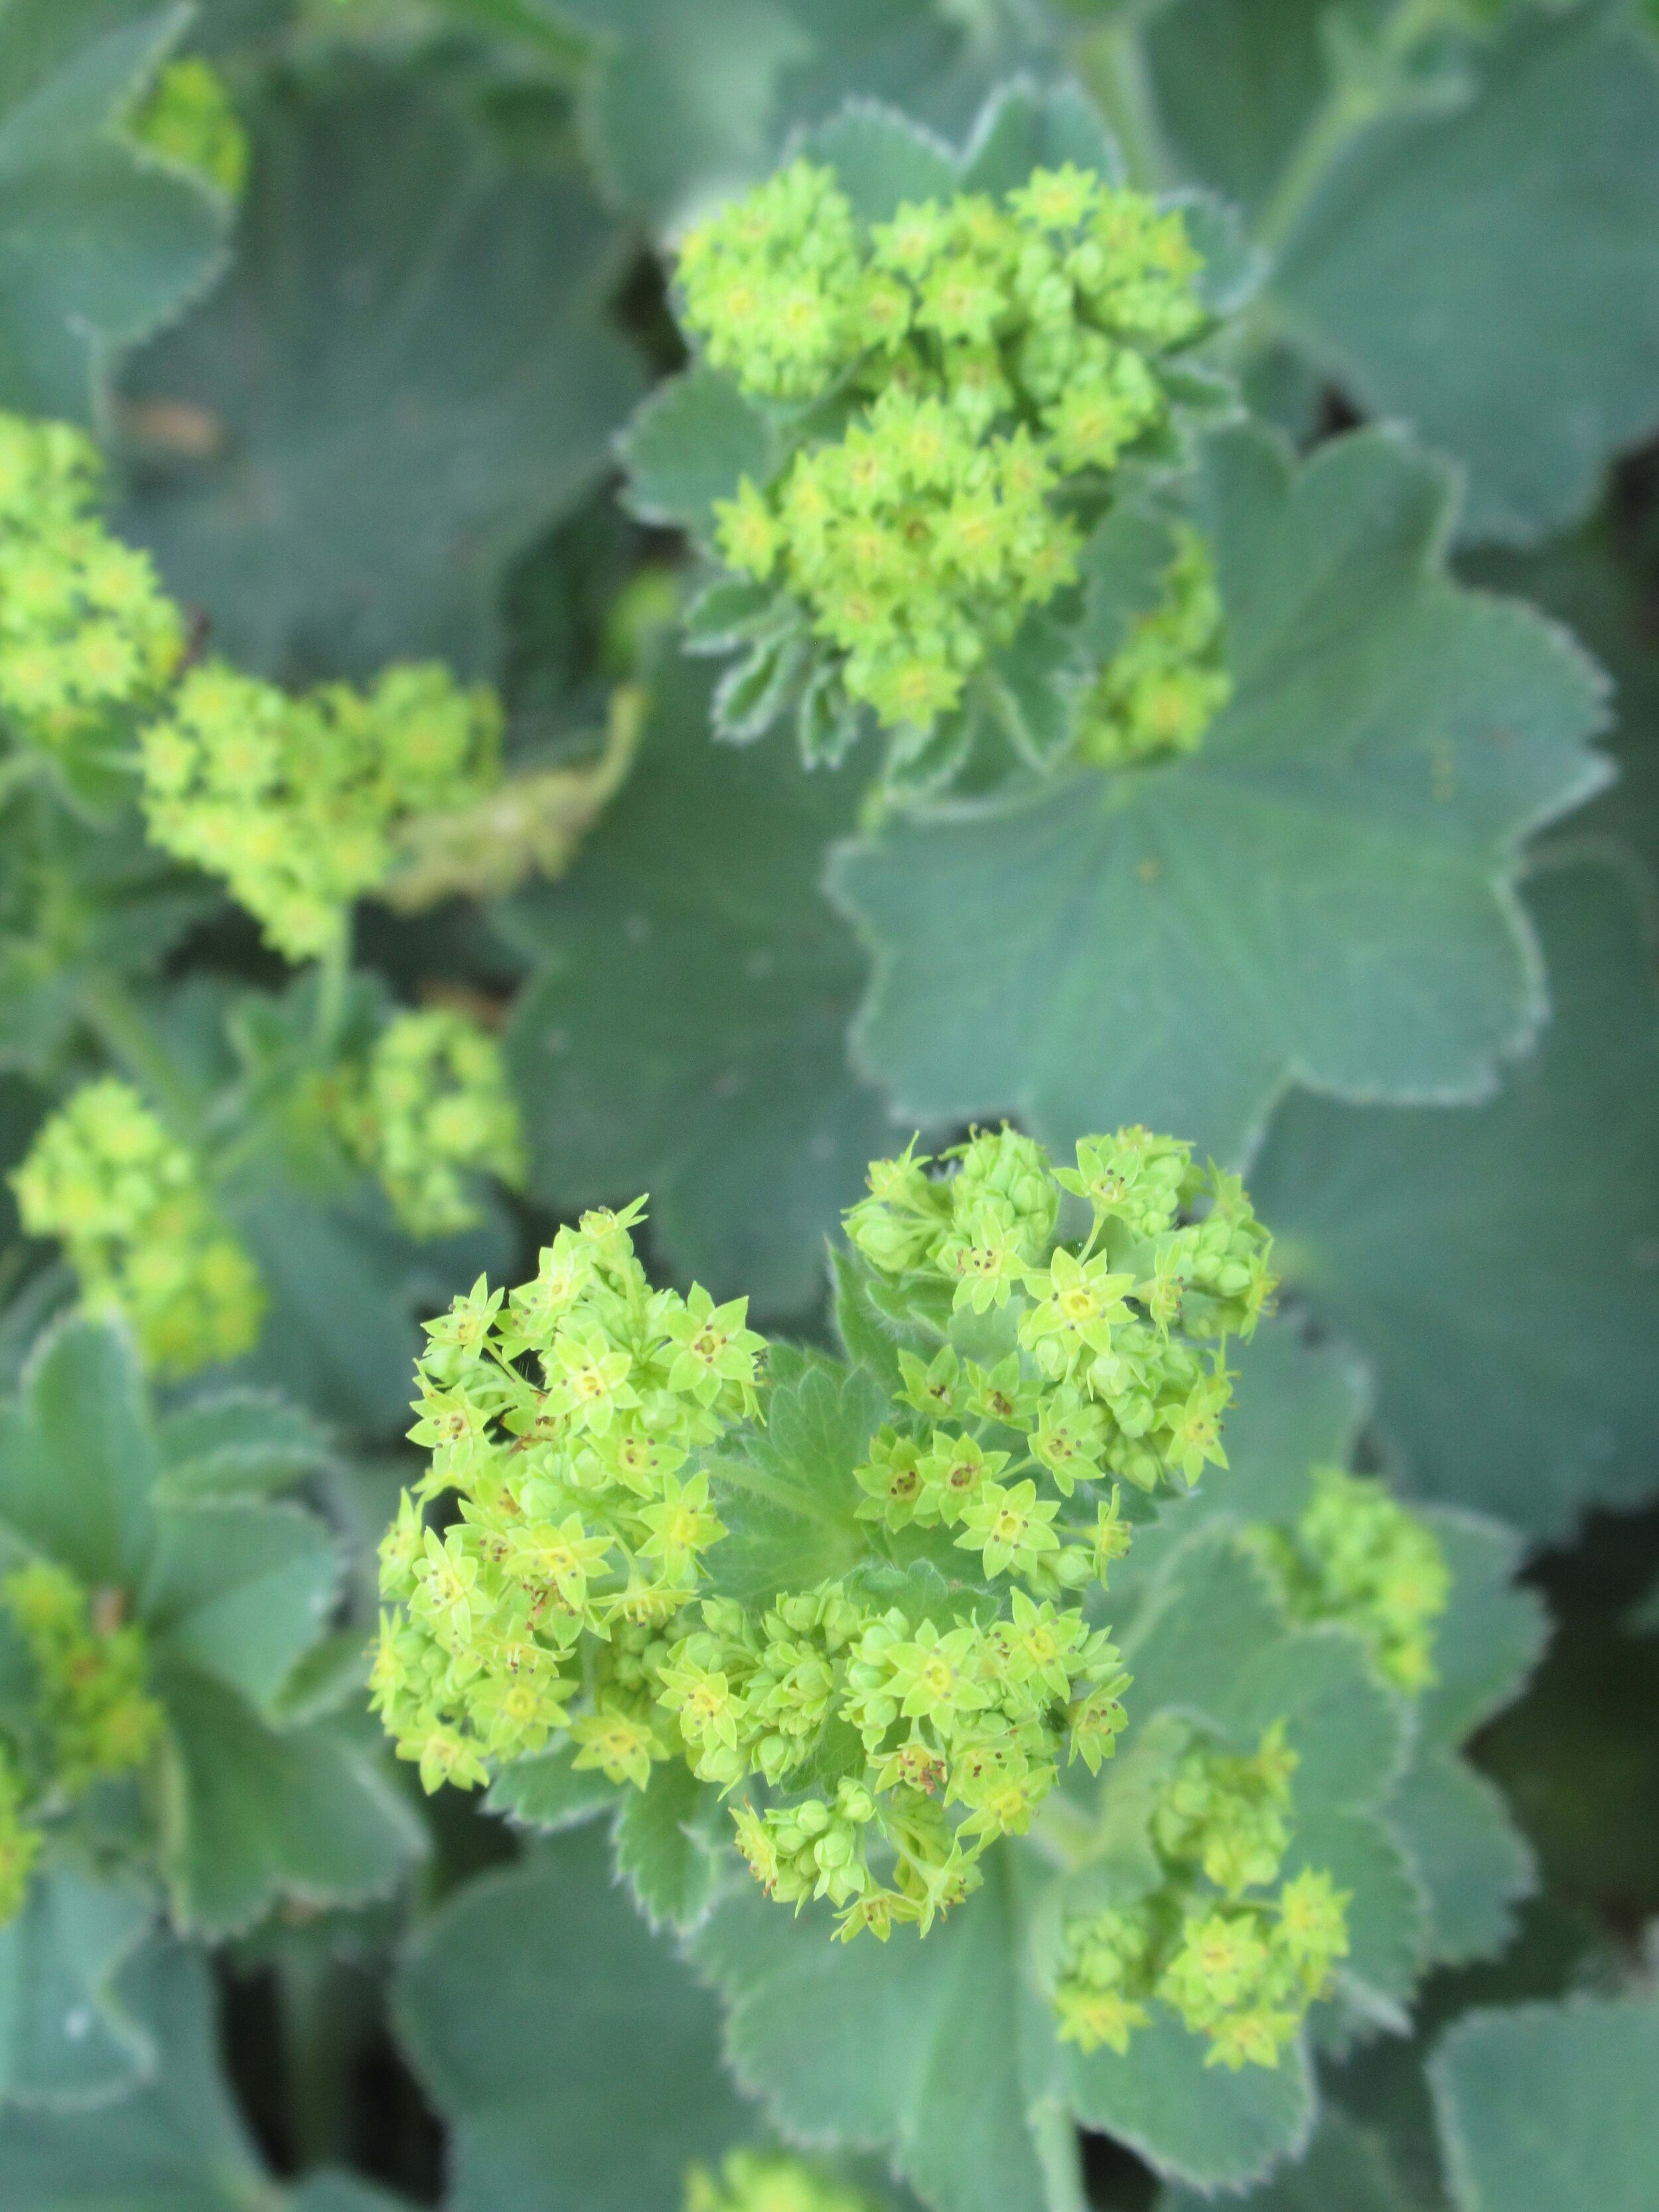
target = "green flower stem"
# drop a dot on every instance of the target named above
(333, 980)
(1351, 107)
(1112, 63)
(1055, 2132)
(114, 1015)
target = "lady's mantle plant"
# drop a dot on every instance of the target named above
(961, 376)
(881, 1714)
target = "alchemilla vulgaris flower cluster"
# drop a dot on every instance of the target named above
(1238, 1952)
(139, 1226)
(554, 1579)
(957, 383)
(85, 1714)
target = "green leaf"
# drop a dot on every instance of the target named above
(669, 1837)
(1323, 891)
(692, 442)
(175, 2144)
(1215, 2128)
(1022, 129)
(1550, 2108)
(344, 1286)
(239, 1591)
(1521, 339)
(1344, 2170)
(1528, 1389)
(682, 1031)
(1296, 1405)
(67, 2036)
(940, 2048)
(689, 104)
(548, 1792)
(1598, 585)
(788, 1500)
(237, 1443)
(882, 159)
(1472, 1863)
(78, 1455)
(99, 246)
(406, 378)
(572, 2054)
(252, 1812)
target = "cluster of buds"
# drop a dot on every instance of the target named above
(300, 804)
(1237, 1954)
(880, 1727)
(432, 1113)
(1104, 1376)
(87, 1717)
(87, 639)
(768, 2181)
(973, 358)
(138, 1225)
(564, 1422)
(1357, 1556)
(1160, 692)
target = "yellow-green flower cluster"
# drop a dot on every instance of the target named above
(435, 1112)
(300, 803)
(189, 121)
(1159, 694)
(20, 1840)
(1114, 1387)
(87, 636)
(1357, 1556)
(129, 1205)
(564, 1422)
(981, 354)
(768, 2181)
(878, 1735)
(98, 1717)
(1236, 1953)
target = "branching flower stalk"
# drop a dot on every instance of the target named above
(957, 386)
(556, 1577)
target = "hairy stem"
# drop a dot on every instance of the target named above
(333, 979)
(1055, 2132)
(1349, 108)
(114, 1015)
(1112, 63)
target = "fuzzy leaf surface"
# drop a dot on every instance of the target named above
(571, 2054)
(689, 104)
(1484, 265)
(99, 244)
(1549, 2108)
(682, 1031)
(1323, 892)
(68, 2038)
(406, 377)
(1529, 1392)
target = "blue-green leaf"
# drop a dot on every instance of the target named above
(683, 1032)
(407, 376)
(1550, 2108)
(99, 246)
(1324, 892)
(1528, 1389)
(573, 2056)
